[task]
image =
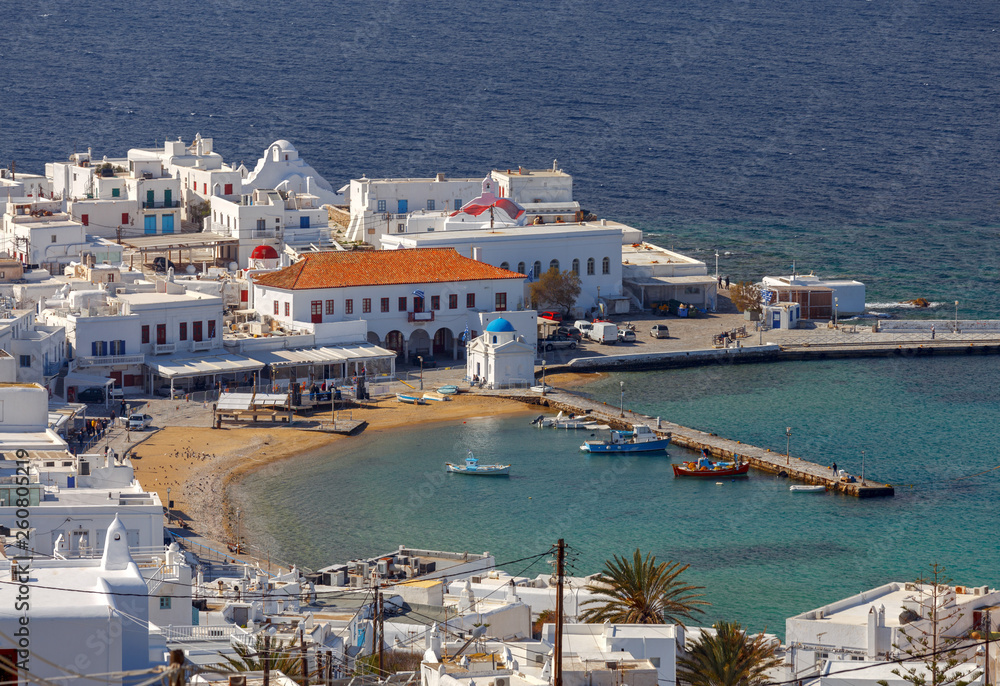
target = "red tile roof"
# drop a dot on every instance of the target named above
(341, 269)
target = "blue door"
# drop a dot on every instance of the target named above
(776, 320)
(303, 222)
(401, 207)
(168, 223)
(149, 223)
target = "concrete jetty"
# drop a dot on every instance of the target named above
(719, 448)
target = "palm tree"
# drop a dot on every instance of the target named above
(728, 658)
(284, 658)
(642, 592)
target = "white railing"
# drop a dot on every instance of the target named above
(97, 360)
(164, 348)
(210, 632)
(201, 346)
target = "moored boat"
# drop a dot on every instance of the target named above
(409, 399)
(704, 467)
(448, 390)
(436, 397)
(802, 488)
(562, 421)
(473, 467)
(641, 439)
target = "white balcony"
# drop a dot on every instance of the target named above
(109, 360)
(202, 346)
(164, 348)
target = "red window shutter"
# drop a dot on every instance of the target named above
(229, 189)
(85, 218)
(124, 217)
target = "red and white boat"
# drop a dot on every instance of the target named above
(705, 468)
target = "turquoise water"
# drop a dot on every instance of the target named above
(762, 553)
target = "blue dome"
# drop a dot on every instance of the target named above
(500, 325)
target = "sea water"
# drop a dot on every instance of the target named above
(763, 553)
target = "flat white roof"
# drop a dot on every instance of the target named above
(153, 298)
(645, 254)
(183, 367)
(325, 355)
(541, 231)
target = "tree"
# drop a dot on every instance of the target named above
(283, 657)
(641, 591)
(727, 658)
(928, 624)
(556, 289)
(746, 296)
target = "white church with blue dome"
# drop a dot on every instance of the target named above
(501, 358)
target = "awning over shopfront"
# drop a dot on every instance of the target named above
(695, 290)
(187, 367)
(360, 352)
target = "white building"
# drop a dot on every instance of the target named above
(610, 643)
(268, 217)
(653, 275)
(18, 186)
(40, 233)
(869, 626)
(85, 615)
(202, 173)
(592, 251)
(501, 358)
(415, 302)
(38, 350)
(843, 297)
(282, 169)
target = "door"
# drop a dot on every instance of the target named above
(316, 311)
(149, 199)
(168, 223)
(161, 334)
(400, 207)
(776, 320)
(149, 223)
(418, 304)
(197, 331)
(168, 197)
(303, 222)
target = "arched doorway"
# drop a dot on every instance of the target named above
(420, 343)
(444, 343)
(394, 341)
(373, 338)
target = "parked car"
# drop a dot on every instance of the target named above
(139, 422)
(91, 395)
(626, 336)
(117, 393)
(571, 332)
(584, 326)
(659, 331)
(164, 392)
(555, 342)
(554, 316)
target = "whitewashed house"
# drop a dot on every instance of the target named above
(654, 275)
(85, 615)
(500, 358)
(415, 302)
(202, 173)
(39, 350)
(282, 169)
(40, 233)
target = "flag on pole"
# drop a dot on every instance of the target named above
(465, 334)
(419, 293)
(766, 297)
(531, 273)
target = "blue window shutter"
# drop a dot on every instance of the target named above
(93, 348)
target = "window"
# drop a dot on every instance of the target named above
(505, 265)
(520, 268)
(117, 347)
(116, 192)
(276, 306)
(606, 265)
(453, 301)
(366, 305)
(458, 204)
(470, 300)
(145, 333)
(501, 302)
(590, 266)
(288, 309)
(165, 602)
(576, 267)
(211, 328)
(182, 334)
(349, 306)
(435, 302)
(228, 189)
(124, 217)
(380, 206)
(25, 361)
(400, 228)
(161, 334)
(430, 204)
(538, 269)
(385, 304)
(53, 238)
(304, 222)
(329, 307)
(261, 223)
(402, 303)
(554, 264)
(85, 219)
(204, 188)
(196, 331)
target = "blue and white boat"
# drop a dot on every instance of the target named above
(641, 439)
(473, 467)
(409, 399)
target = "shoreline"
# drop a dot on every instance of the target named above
(199, 466)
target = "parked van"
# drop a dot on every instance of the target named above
(584, 326)
(605, 333)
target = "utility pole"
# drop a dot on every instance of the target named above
(986, 662)
(267, 659)
(305, 660)
(380, 608)
(560, 572)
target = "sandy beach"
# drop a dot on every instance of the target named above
(198, 464)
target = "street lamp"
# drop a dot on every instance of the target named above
(598, 301)
(836, 309)
(788, 442)
(238, 536)
(621, 385)
(543, 376)
(716, 266)
(956, 316)
(168, 506)
(863, 468)
(421, 358)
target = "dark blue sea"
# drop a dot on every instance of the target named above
(854, 138)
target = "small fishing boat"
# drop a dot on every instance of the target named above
(409, 399)
(705, 468)
(802, 488)
(448, 390)
(543, 388)
(473, 467)
(641, 439)
(436, 397)
(562, 421)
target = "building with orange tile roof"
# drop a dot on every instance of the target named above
(416, 302)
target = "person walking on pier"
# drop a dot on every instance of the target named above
(833, 468)
(932, 332)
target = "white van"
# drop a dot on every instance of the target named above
(584, 326)
(605, 333)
